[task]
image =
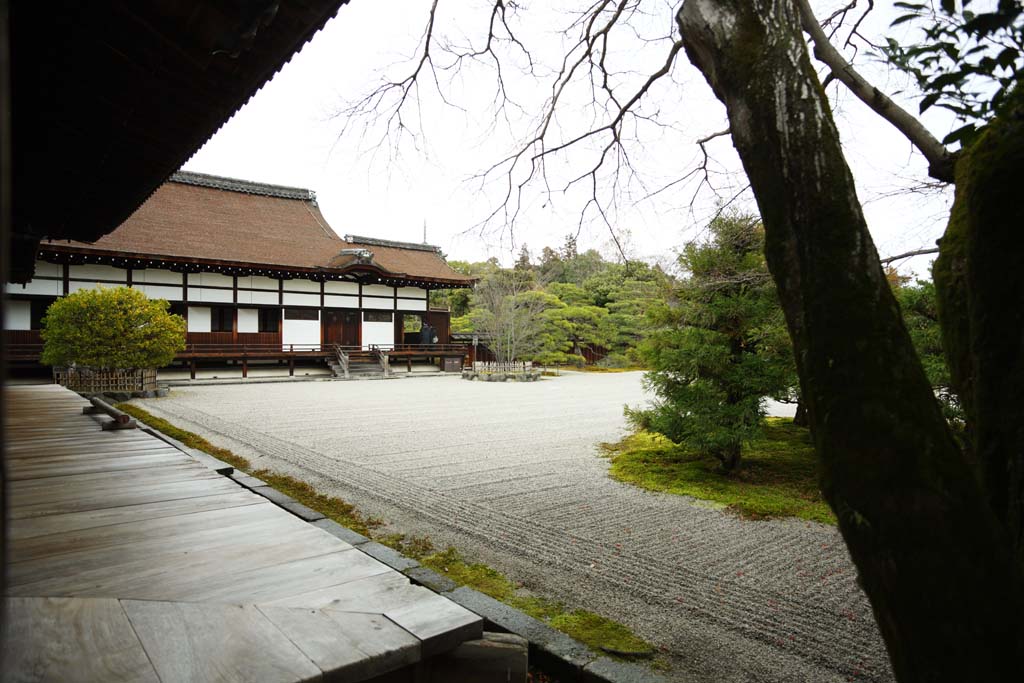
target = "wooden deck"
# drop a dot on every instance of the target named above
(131, 561)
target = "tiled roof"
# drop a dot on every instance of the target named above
(196, 216)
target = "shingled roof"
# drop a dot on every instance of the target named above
(199, 217)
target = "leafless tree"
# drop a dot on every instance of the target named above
(509, 304)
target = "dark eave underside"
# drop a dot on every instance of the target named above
(110, 98)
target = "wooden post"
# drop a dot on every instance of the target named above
(192, 367)
(291, 366)
(245, 368)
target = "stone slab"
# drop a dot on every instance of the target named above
(605, 670)
(431, 579)
(341, 532)
(549, 648)
(303, 512)
(388, 556)
(274, 496)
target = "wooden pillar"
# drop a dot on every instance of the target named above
(245, 368)
(192, 368)
(291, 366)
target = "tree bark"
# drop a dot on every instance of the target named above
(932, 557)
(980, 284)
(800, 418)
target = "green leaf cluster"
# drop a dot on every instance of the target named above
(718, 347)
(966, 62)
(111, 328)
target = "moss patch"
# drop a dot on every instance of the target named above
(778, 476)
(591, 629)
(587, 627)
(188, 438)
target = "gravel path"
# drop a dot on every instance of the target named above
(509, 473)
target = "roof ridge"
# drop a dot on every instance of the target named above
(239, 185)
(373, 241)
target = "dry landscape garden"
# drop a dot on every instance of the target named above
(767, 454)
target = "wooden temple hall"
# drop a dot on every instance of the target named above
(259, 276)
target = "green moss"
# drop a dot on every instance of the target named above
(587, 627)
(598, 632)
(333, 508)
(188, 438)
(778, 476)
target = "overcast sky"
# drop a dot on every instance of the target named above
(290, 134)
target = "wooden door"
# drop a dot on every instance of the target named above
(341, 327)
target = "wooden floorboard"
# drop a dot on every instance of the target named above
(130, 560)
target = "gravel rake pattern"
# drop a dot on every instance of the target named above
(521, 477)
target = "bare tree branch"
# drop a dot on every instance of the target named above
(916, 252)
(940, 160)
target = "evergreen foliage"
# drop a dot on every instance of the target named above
(111, 328)
(719, 347)
(557, 309)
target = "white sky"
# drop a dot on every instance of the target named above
(288, 134)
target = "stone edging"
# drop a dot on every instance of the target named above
(569, 660)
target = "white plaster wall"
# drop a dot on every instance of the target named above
(415, 292)
(378, 290)
(341, 287)
(248, 320)
(48, 287)
(96, 272)
(410, 305)
(213, 296)
(259, 282)
(301, 286)
(156, 276)
(378, 333)
(301, 299)
(300, 332)
(341, 301)
(198, 319)
(257, 297)
(160, 292)
(47, 269)
(75, 285)
(211, 280)
(378, 303)
(18, 315)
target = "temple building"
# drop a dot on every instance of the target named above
(252, 267)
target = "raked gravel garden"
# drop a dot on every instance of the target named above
(512, 475)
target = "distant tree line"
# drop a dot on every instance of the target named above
(559, 306)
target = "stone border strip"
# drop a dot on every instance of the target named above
(566, 658)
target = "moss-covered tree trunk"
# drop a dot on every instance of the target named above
(931, 555)
(979, 277)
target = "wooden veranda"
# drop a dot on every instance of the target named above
(130, 560)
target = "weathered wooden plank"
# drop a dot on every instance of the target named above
(151, 572)
(166, 532)
(224, 643)
(58, 467)
(87, 450)
(348, 646)
(73, 521)
(438, 622)
(23, 504)
(279, 580)
(59, 486)
(71, 639)
(376, 594)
